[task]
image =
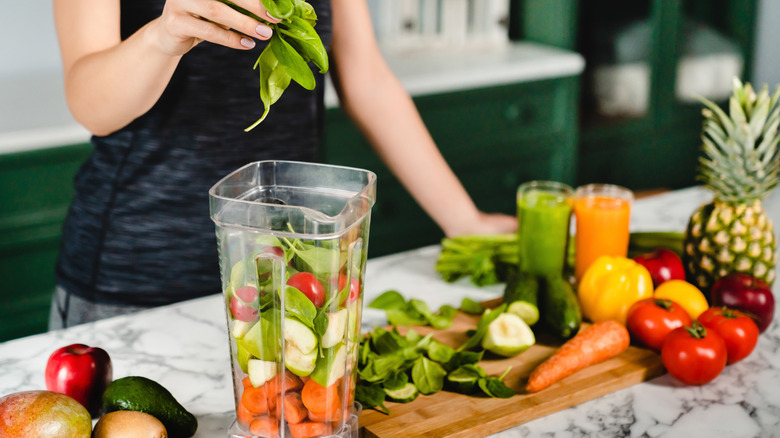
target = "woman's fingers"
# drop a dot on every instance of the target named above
(225, 16)
(256, 7)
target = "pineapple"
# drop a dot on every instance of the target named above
(740, 165)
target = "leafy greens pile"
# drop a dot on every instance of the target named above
(293, 45)
(389, 361)
(413, 312)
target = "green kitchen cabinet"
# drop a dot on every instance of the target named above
(494, 138)
(37, 190)
(649, 138)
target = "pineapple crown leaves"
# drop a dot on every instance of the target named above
(741, 160)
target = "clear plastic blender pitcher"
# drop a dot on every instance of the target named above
(292, 243)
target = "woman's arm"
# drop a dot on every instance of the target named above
(110, 82)
(372, 96)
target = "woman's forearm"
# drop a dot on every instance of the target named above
(108, 89)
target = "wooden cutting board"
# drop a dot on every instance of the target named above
(448, 414)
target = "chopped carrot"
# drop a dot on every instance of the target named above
(324, 402)
(305, 379)
(255, 399)
(599, 342)
(292, 382)
(294, 411)
(246, 382)
(325, 417)
(309, 429)
(265, 426)
(244, 415)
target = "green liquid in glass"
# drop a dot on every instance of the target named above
(543, 232)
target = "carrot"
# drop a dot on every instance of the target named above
(292, 382)
(244, 415)
(294, 411)
(265, 426)
(246, 382)
(334, 415)
(599, 342)
(255, 399)
(309, 429)
(322, 401)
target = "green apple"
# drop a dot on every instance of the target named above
(508, 335)
(301, 364)
(353, 330)
(260, 371)
(261, 341)
(241, 328)
(337, 325)
(242, 355)
(298, 335)
(526, 312)
(331, 366)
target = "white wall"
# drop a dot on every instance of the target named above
(28, 42)
(766, 62)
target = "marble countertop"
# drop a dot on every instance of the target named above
(183, 346)
(34, 114)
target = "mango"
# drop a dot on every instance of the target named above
(41, 414)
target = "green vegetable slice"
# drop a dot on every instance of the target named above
(405, 394)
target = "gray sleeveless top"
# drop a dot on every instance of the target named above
(138, 230)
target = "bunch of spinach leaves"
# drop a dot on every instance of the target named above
(388, 360)
(293, 45)
(413, 312)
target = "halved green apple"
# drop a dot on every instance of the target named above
(508, 335)
(337, 325)
(331, 366)
(260, 371)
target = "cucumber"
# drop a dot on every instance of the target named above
(463, 380)
(640, 242)
(520, 295)
(561, 312)
(404, 394)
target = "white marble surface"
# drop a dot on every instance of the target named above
(34, 114)
(184, 347)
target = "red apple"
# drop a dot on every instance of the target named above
(746, 293)
(81, 372)
(30, 414)
(663, 265)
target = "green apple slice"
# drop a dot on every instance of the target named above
(262, 338)
(298, 335)
(508, 335)
(300, 363)
(242, 356)
(526, 312)
(337, 325)
(331, 366)
(241, 328)
(260, 371)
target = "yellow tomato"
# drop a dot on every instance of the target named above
(688, 296)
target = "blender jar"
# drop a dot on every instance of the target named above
(292, 240)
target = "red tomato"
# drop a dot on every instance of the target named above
(310, 286)
(693, 354)
(739, 331)
(651, 320)
(354, 289)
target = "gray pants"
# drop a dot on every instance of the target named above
(68, 310)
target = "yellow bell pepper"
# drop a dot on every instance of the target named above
(688, 296)
(610, 286)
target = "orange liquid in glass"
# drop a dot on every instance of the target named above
(602, 229)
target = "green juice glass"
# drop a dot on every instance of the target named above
(543, 213)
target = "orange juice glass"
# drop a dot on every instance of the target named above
(602, 213)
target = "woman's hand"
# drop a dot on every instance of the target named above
(185, 23)
(485, 223)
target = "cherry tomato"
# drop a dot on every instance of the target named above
(651, 320)
(354, 289)
(311, 287)
(738, 330)
(693, 354)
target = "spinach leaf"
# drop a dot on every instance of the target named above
(439, 352)
(305, 40)
(292, 61)
(371, 397)
(319, 260)
(320, 323)
(396, 380)
(482, 327)
(273, 81)
(471, 307)
(428, 376)
(404, 317)
(494, 387)
(297, 304)
(461, 358)
(279, 8)
(388, 300)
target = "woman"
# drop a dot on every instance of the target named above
(167, 88)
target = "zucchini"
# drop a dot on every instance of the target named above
(561, 313)
(521, 295)
(463, 380)
(404, 394)
(640, 242)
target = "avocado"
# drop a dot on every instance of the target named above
(135, 393)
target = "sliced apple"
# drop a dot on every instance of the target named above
(337, 325)
(298, 335)
(260, 371)
(240, 328)
(261, 341)
(300, 363)
(508, 335)
(242, 356)
(331, 366)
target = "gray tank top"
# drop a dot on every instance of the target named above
(138, 231)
